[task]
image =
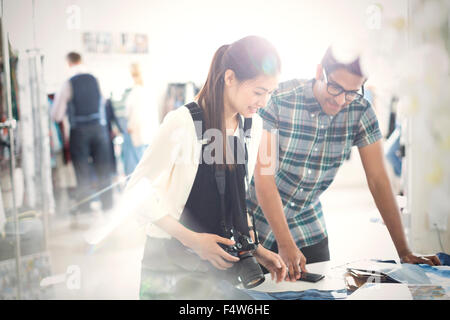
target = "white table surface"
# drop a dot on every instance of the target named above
(334, 279)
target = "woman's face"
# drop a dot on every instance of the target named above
(248, 96)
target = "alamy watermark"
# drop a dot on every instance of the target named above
(211, 148)
(72, 278)
(374, 14)
(73, 21)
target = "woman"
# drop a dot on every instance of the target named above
(179, 197)
(141, 120)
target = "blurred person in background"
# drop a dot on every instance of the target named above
(81, 100)
(142, 119)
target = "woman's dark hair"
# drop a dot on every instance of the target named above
(330, 64)
(248, 58)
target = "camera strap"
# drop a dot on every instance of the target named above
(246, 136)
(220, 174)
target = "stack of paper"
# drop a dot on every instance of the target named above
(414, 282)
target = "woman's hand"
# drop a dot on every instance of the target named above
(203, 244)
(272, 262)
(206, 246)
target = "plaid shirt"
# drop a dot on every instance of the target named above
(312, 147)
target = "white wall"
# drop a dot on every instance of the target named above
(425, 104)
(183, 35)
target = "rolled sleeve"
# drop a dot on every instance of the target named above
(368, 129)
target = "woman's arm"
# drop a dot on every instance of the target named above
(147, 190)
(268, 259)
(203, 244)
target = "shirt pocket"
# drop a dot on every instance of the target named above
(294, 149)
(338, 146)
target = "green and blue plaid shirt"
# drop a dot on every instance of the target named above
(312, 147)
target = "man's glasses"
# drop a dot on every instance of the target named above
(335, 90)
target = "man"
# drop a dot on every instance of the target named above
(80, 98)
(316, 123)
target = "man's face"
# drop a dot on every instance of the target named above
(339, 78)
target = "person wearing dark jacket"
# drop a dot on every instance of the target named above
(81, 100)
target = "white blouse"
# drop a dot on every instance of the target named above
(162, 181)
(142, 116)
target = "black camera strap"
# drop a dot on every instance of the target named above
(246, 136)
(220, 174)
(221, 179)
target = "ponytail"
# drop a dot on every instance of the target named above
(210, 97)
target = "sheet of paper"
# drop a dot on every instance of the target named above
(382, 291)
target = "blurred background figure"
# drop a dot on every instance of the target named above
(80, 98)
(114, 130)
(139, 121)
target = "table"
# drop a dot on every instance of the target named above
(334, 279)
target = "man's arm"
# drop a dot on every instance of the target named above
(270, 201)
(372, 158)
(60, 102)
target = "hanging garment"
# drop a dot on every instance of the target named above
(2, 215)
(392, 152)
(27, 126)
(35, 134)
(129, 155)
(110, 120)
(56, 141)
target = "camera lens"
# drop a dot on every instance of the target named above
(249, 271)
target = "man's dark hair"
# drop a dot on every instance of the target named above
(74, 57)
(330, 64)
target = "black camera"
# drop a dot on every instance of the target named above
(247, 268)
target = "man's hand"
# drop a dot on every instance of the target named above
(419, 259)
(272, 262)
(295, 261)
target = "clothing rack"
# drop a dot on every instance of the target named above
(10, 125)
(27, 151)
